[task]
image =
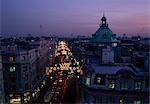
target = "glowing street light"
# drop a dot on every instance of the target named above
(51, 77)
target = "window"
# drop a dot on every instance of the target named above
(23, 57)
(147, 84)
(111, 100)
(124, 85)
(24, 68)
(137, 102)
(30, 56)
(26, 77)
(26, 86)
(13, 78)
(11, 59)
(114, 44)
(14, 87)
(87, 81)
(99, 79)
(138, 85)
(111, 84)
(12, 69)
(122, 101)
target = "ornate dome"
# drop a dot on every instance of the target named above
(103, 34)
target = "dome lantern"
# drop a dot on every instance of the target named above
(103, 19)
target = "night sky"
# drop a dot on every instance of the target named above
(78, 17)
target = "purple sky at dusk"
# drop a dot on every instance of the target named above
(78, 17)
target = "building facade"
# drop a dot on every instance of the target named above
(24, 66)
(119, 84)
(109, 73)
(2, 95)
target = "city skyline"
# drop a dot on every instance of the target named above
(74, 17)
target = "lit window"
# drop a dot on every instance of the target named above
(124, 85)
(122, 101)
(111, 84)
(137, 102)
(10, 95)
(87, 81)
(12, 69)
(114, 44)
(98, 79)
(138, 85)
(11, 59)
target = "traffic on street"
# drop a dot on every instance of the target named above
(63, 74)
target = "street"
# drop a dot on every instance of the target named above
(63, 75)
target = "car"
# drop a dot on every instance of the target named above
(60, 80)
(55, 82)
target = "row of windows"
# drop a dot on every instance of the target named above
(100, 80)
(13, 68)
(25, 68)
(12, 58)
(124, 85)
(123, 101)
(14, 87)
(109, 100)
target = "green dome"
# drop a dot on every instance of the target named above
(103, 34)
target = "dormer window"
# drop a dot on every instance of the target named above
(111, 84)
(87, 81)
(124, 85)
(99, 79)
(138, 85)
(11, 59)
(12, 68)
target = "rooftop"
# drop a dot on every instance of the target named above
(110, 69)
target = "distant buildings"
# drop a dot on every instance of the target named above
(2, 95)
(24, 61)
(114, 70)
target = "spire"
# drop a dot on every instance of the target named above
(103, 14)
(103, 19)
